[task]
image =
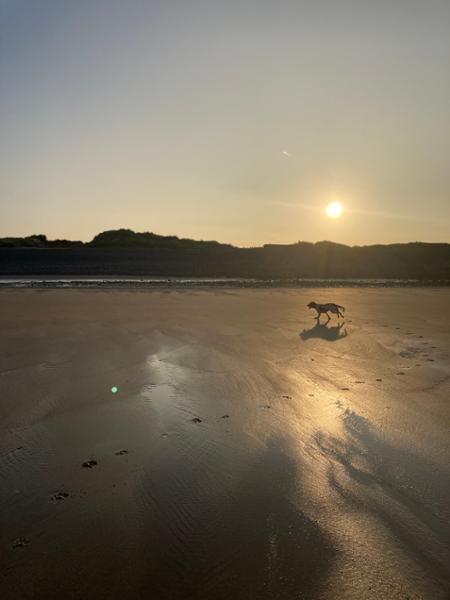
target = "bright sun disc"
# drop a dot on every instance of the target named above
(334, 210)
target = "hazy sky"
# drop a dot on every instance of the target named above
(234, 120)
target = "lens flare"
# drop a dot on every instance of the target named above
(114, 389)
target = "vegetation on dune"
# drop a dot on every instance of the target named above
(130, 239)
(37, 241)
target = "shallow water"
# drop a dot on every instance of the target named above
(53, 281)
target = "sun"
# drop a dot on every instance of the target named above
(334, 210)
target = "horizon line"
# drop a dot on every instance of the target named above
(201, 240)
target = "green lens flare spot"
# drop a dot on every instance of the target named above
(114, 389)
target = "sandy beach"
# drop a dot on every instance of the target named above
(219, 444)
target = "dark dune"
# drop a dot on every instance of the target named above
(124, 252)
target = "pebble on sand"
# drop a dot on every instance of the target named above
(20, 542)
(89, 464)
(60, 496)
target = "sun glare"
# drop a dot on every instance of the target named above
(334, 210)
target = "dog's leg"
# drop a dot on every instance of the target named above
(329, 318)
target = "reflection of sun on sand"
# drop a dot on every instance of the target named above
(235, 460)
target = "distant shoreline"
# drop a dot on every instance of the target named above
(53, 282)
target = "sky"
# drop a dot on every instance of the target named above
(237, 121)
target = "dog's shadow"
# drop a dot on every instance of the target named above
(324, 332)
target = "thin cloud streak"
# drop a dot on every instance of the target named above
(368, 213)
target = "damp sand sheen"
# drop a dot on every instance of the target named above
(176, 444)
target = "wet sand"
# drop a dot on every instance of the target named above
(247, 452)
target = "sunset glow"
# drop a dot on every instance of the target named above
(150, 116)
(334, 210)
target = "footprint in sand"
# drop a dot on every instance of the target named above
(20, 542)
(89, 464)
(59, 496)
(266, 406)
(401, 373)
(360, 382)
(311, 395)
(345, 389)
(287, 397)
(121, 452)
(164, 435)
(378, 379)
(225, 417)
(196, 420)
(430, 359)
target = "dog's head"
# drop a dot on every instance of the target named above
(311, 305)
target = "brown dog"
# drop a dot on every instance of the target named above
(326, 308)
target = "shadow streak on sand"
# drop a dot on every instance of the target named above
(324, 332)
(391, 483)
(252, 543)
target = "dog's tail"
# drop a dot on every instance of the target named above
(341, 307)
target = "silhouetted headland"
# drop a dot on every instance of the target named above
(123, 252)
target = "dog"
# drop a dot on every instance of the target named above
(326, 308)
